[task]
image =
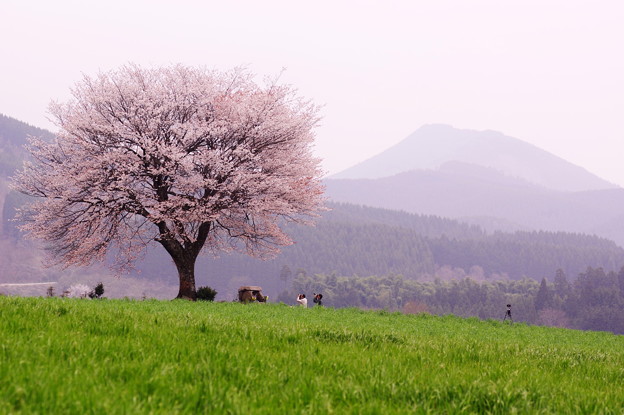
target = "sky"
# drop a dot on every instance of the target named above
(549, 72)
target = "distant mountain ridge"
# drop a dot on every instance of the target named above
(460, 194)
(432, 146)
(489, 199)
(484, 178)
(15, 132)
(13, 136)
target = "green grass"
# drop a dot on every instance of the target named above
(64, 356)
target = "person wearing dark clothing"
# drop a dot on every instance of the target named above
(508, 314)
(318, 299)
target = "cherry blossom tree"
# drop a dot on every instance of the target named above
(192, 159)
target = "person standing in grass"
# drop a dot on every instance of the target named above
(318, 299)
(508, 314)
(302, 300)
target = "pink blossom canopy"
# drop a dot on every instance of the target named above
(191, 158)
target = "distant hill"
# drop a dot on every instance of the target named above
(13, 137)
(358, 240)
(355, 240)
(489, 199)
(433, 146)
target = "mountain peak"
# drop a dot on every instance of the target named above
(433, 145)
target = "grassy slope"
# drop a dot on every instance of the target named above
(122, 357)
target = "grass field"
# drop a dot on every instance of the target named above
(64, 356)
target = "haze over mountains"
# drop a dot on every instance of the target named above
(484, 178)
(432, 146)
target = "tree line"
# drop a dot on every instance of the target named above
(593, 301)
(370, 248)
(358, 241)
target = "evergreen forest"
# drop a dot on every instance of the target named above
(592, 301)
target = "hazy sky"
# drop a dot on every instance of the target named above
(548, 72)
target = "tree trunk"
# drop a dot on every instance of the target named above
(186, 274)
(184, 257)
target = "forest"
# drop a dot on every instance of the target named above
(592, 301)
(371, 242)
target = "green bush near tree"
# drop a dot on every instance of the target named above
(206, 294)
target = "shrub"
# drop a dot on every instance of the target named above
(206, 294)
(98, 291)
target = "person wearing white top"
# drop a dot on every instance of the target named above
(302, 300)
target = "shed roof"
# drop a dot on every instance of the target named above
(250, 288)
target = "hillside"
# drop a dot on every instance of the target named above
(13, 137)
(110, 356)
(489, 199)
(356, 240)
(381, 242)
(432, 146)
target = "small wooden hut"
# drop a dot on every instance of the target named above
(250, 293)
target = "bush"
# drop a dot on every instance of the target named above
(98, 291)
(206, 294)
